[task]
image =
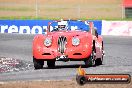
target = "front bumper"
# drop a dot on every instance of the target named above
(73, 54)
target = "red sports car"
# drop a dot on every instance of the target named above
(68, 41)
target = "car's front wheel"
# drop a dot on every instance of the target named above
(38, 64)
(51, 64)
(91, 60)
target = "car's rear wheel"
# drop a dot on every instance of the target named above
(51, 64)
(99, 61)
(38, 64)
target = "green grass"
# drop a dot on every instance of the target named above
(55, 9)
(28, 18)
(47, 18)
(16, 9)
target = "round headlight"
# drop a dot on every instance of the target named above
(47, 42)
(75, 41)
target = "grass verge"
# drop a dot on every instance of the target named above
(47, 18)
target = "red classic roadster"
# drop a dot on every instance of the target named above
(68, 41)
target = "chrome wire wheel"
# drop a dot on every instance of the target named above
(91, 60)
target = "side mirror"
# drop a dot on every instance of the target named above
(96, 34)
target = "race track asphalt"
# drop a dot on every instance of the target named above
(117, 60)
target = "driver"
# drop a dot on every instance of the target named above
(62, 25)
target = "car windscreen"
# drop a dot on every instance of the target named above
(71, 25)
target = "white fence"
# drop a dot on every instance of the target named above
(117, 28)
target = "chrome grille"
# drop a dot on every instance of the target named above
(62, 44)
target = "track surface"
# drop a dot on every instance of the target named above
(118, 59)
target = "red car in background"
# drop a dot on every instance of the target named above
(64, 41)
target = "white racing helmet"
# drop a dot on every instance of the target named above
(62, 25)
